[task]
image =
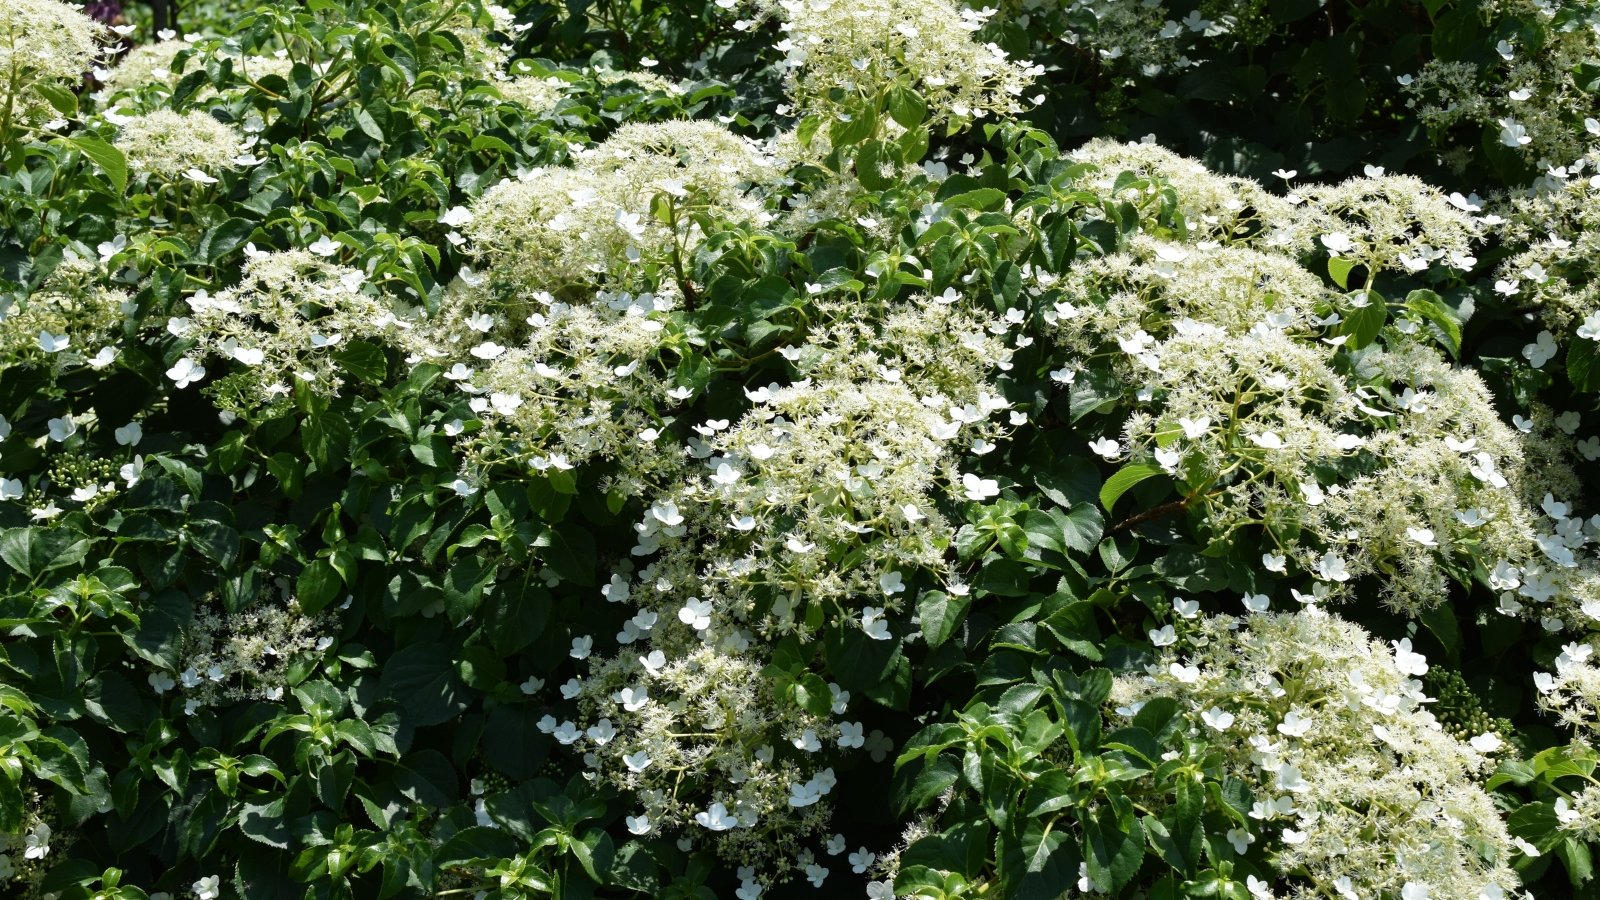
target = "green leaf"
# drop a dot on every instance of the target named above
(1112, 850)
(1075, 628)
(317, 585)
(907, 107)
(34, 551)
(1363, 323)
(1563, 762)
(875, 669)
(1040, 863)
(223, 239)
(982, 198)
(811, 694)
(869, 171)
(1583, 364)
(1536, 823)
(108, 158)
(1049, 792)
(1577, 859)
(368, 125)
(422, 679)
(1441, 319)
(162, 621)
(1070, 482)
(941, 615)
(1123, 481)
(61, 99)
(1083, 726)
(930, 782)
(265, 823)
(1339, 269)
(474, 844)
(481, 668)
(327, 441)
(427, 777)
(571, 553)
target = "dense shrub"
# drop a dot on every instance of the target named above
(1127, 448)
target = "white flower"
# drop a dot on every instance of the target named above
(1267, 440)
(567, 733)
(1220, 719)
(1542, 350)
(1289, 779)
(851, 735)
(186, 372)
(639, 824)
(1188, 609)
(1512, 134)
(1274, 562)
(632, 699)
(716, 818)
(979, 489)
(581, 646)
(1488, 742)
(456, 217)
(1240, 839)
(208, 888)
(1105, 448)
(1184, 674)
(1408, 661)
(803, 795)
(636, 762)
(880, 890)
(1338, 242)
(1415, 890)
(129, 435)
(53, 343)
(1257, 603)
(62, 428)
(324, 246)
(1591, 327)
(861, 859)
(1332, 568)
(891, 583)
(1194, 429)
(696, 614)
(161, 681)
(1294, 724)
(1483, 469)
(1164, 636)
(873, 624)
(130, 472)
(653, 662)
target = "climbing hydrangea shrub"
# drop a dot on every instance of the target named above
(798, 448)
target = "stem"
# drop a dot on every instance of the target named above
(1154, 512)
